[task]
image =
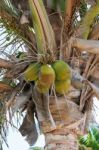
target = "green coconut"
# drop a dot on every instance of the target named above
(31, 73)
(42, 88)
(47, 75)
(62, 87)
(62, 70)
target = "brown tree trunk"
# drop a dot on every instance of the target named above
(61, 140)
(69, 123)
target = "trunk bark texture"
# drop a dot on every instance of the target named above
(61, 140)
(69, 123)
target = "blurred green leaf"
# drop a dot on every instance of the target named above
(36, 148)
(91, 139)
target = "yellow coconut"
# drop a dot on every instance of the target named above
(62, 70)
(31, 73)
(62, 87)
(42, 88)
(47, 75)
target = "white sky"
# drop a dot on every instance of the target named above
(96, 109)
(17, 142)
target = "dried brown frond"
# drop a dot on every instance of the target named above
(28, 127)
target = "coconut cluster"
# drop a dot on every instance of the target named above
(46, 75)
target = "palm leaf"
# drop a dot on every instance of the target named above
(43, 30)
(83, 8)
(91, 139)
(7, 5)
(88, 20)
(12, 31)
(13, 38)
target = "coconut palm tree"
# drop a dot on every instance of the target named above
(49, 68)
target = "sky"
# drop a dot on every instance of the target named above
(17, 142)
(96, 109)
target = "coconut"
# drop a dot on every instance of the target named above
(31, 73)
(47, 75)
(62, 70)
(62, 87)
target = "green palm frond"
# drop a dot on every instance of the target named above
(10, 40)
(91, 139)
(13, 35)
(13, 38)
(88, 20)
(83, 8)
(7, 5)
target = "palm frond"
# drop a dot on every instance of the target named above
(42, 27)
(7, 6)
(92, 138)
(13, 39)
(12, 32)
(83, 8)
(88, 20)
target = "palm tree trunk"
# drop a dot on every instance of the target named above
(68, 123)
(61, 139)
